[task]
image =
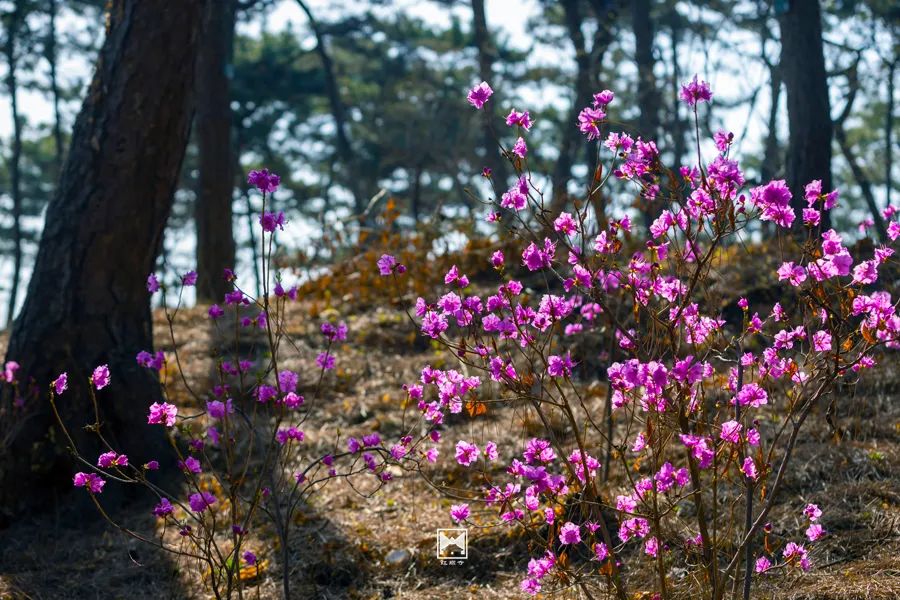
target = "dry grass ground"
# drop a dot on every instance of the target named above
(354, 545)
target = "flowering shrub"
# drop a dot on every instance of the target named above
(241, 454)
(680, 467)
(688, 458)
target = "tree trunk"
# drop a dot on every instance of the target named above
(51, 56)
(865, 186)
(212, 122)
(562, 170)
(648, 95)
(87, 303)
(486, 57)
(772, 154)
(888, 134)
(13, 24)
(809, 112)
(679, 125)
(339, 114)
(862, 180)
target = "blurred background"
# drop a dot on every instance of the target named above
(360, 106)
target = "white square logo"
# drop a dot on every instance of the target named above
(452, 544)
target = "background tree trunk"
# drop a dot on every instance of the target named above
(486, 58)
(51, 56)
(87, 303)
(888, 133)
(13, 22)
(212, 122)
(571, 137)
(809, 111)
(339, 114)
(648, 95)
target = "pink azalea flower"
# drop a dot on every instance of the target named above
(589, 121)
(569, 533)
(162, 413)
(812, 512)
(560, 366)
(603, 98)
(61, 383)
(815, 532)
(695, 91)
(490, 451)
(189, 279)
(93, 482)
(386, 264)
(271, 221)
(191, 464)
(264, 181)
(749, 469)
(9, 371)
(497, 259)
(822, 341)
(479, 94)
(459, 512)
(111, 459)
(565, 224)
(163, 508)
(325, 361)
(466, 453)
(731, 432)
(100, 377)
(531, 586)
(520, 149)
(201, 501)
(522, 119)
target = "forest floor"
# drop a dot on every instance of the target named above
(352, 544)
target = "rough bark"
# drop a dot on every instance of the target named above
(13, 22)
(487, 55)
(87, 303)
(809, 112)
(212, 123)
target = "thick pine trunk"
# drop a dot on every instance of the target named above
(212, 122)
(809, 112)
(87, 303)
